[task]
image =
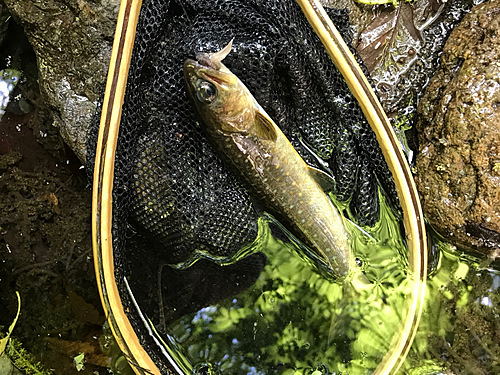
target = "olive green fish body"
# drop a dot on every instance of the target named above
(265, 160)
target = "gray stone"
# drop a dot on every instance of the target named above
(72, 40)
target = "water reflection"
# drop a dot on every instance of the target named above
(281, 314)
(459, 326)
(274, 312)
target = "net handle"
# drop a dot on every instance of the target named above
(412, 212)
(104, 173)
(102, 191)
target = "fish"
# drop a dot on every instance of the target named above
(265, 161)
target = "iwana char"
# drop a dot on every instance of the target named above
(264, 159)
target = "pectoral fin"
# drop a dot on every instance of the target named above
(265, 127)
(324, 180)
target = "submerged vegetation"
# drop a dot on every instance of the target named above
(24, 361)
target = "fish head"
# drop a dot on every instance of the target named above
(221, 99)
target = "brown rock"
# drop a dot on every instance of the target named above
(458, 166)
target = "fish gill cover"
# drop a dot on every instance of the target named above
(172, 194)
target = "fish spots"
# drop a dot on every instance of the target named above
(291, 206)
(278, 179)
(277, 166)
(291, 192)
(299, 212)
(300, 194)
(287, 173)
(294, 183)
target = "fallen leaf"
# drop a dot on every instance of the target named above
(394, 41)
(79, 361)
(390, 38)
(6, 366)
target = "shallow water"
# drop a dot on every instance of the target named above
(297, 319)
(459, 329)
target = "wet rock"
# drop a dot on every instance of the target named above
(72, 40)
(458, 166)
(400, 46)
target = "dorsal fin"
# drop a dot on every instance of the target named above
(213, 60)
(265, 127)
(323, 179)
(218, 56)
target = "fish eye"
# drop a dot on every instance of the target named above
(206, 92)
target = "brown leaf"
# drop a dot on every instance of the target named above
(389, 37)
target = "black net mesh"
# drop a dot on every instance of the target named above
(172, 193)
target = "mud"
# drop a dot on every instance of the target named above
(45, 240)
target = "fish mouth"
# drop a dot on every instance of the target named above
(193, 68)
(190, 69)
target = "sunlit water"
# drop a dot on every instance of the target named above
(295, 319)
